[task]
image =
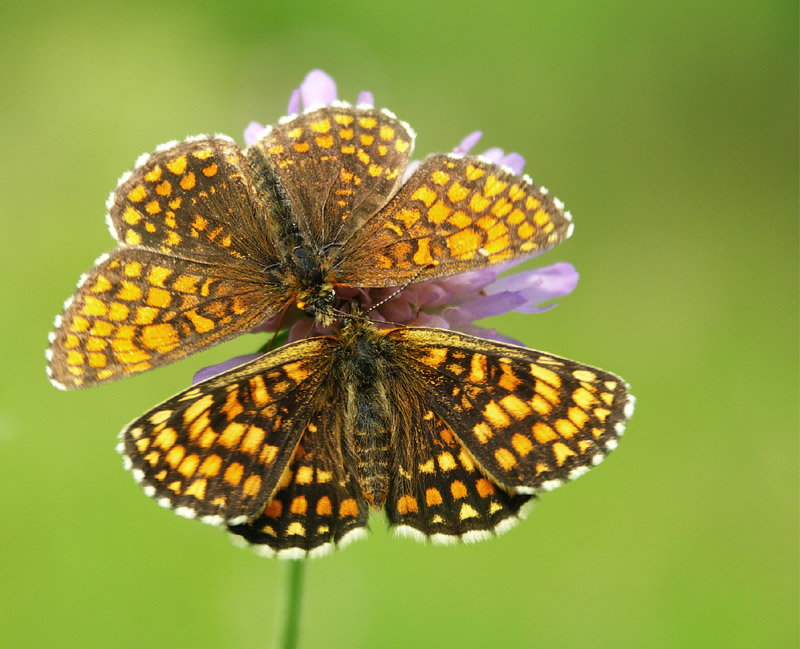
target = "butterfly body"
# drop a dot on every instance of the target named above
(452, 435)
(364, 361)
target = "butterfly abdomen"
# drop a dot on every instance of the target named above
(367, 416)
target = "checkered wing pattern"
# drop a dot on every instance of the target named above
(218, 450)
(438, 491)
(454, 214)
(337, 166)
(195, 199)
(529, 419)
(138, 309)
(190, 270)
(318, 502)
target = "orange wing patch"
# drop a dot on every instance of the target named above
(453, 215)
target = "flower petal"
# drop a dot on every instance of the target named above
(538, 285)
(300, 329)
(318, 88)
(468, 142)
(514, 161)
(491, 334)
(469, 282)
(431, 320)
(294, 102)
(252, 133)
(365, 98)
(494, 155)
(213, 370)
(483, 307)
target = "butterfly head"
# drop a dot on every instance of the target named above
(317, 301)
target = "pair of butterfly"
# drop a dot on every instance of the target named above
(453, 435)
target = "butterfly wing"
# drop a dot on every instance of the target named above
(454, 214)
(531, 420)
(318, 504)
(337, 165)
(219, 450)
(437, 490)
(189, 271)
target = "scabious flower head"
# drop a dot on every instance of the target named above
(449, 303)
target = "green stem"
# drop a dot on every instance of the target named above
(293, 599)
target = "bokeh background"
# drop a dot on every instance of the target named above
(670, 130)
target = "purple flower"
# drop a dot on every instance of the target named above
(449, 303)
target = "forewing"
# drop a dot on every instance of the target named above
(318, 503)
(437, 490)
(137, 309)
(337, 165)
(454, 214)
(194, 199)
(190, 270)
(217, 451)
(530, 419)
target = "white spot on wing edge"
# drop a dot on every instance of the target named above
(353, 535)
(186, 512)
(261, 550)
(314, 107)
(549, 485)
(404, 531)
(237, 520)
(321, 550)
(475, 536)
(507, 523)
(141, 161)
(630, 406)
(292, 553)
(212, 519)
(577, 472)
(336, 103)
(198, 138)
(166, 146)
(57, 384)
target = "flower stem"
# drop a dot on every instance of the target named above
(292, 601)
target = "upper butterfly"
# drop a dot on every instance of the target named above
(214, 240)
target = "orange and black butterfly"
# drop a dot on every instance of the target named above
(214, 240)
(453, 435)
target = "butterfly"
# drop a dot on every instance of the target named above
(453, 436)
(214, 240)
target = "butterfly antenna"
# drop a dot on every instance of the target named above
(403, 287)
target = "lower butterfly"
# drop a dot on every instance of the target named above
(454, 436)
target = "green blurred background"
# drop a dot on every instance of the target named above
(669, 129)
